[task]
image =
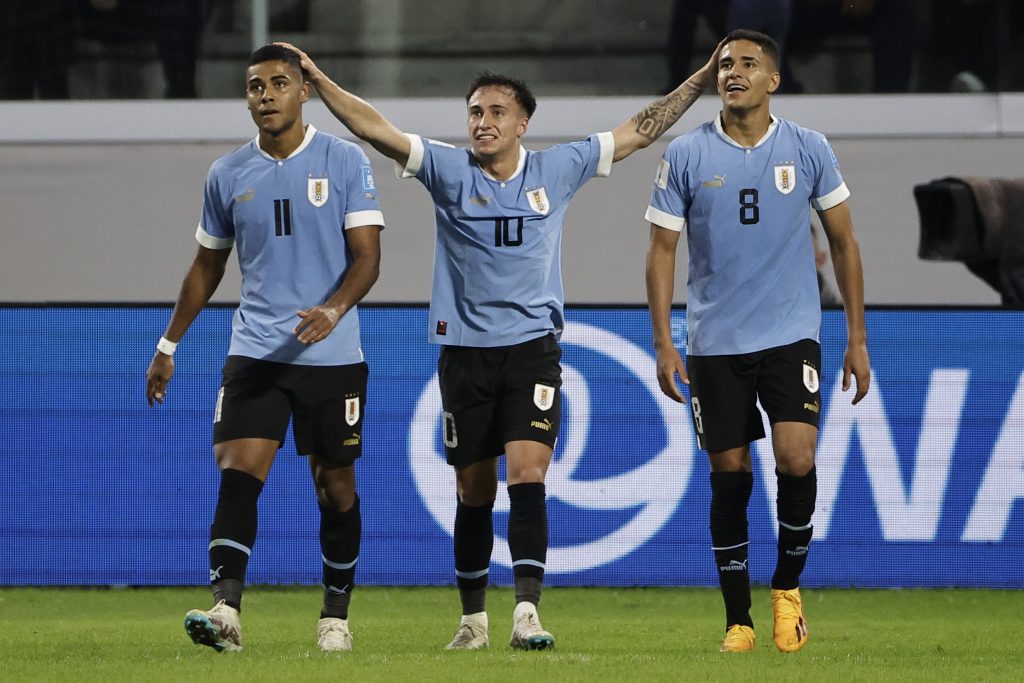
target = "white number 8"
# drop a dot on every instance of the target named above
(697, 421)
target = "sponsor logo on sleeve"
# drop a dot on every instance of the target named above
(661, 177)
(367, 178)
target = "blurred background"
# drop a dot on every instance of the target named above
(98, 49)
(114, 109)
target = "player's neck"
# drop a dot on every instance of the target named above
(747, 126)
(500, 166)
(282, 144)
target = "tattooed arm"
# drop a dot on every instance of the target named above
(657, 117)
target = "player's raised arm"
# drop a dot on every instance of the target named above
(653, 120)
(358, 115)
(842, 242)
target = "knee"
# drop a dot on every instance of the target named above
(338, 496)
(531, 474)
(795, 463)
(476, 493)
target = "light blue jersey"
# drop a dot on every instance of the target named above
(497, 254)
(288, 218)
(752, 279)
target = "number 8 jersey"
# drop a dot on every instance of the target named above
(752, 280)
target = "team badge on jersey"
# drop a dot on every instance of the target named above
(318, 191)
(538, 200)
(810, 378)
(351, 411)
(785, 178)
(543, 396)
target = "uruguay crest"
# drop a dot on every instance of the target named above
(351, 411)
(543, 396)
(810, 378)
(538, 200)
(785, 178)
(318, 191)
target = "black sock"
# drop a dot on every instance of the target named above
(730, 494)
(339, 547)
(233, 534)
(528, 539)
(474, 540)
(795, 505)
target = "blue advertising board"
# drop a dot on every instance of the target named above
(921, 484)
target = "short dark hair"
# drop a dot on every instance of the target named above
(519, 89)
(276, 53)
(767, 43)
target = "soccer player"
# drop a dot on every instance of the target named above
(303, 208)
(740, 186)
(496, 309)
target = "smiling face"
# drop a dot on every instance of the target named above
(495, 121)
(746, 76)
(275, 91)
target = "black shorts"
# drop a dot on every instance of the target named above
(495, 395)
(258, 398)
(724, 391)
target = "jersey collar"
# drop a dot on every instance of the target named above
(308, 138)
(771, 129)
(519, 167)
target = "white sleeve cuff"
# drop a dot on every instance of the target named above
(833, 198)
(415, 161)
(664, 220)
(358, 219)
(210, 242)
(604, 163)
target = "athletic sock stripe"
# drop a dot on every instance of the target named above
(532, 563)
(471, 575)
(795, 528)
(230, 544)
(340, 565)
(730, 547)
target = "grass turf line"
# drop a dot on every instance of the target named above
(81, 635)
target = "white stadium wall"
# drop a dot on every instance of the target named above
(99, 200)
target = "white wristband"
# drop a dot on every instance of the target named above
(166, 346)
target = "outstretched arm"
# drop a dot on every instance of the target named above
(838, 226)
(358, 115)
(661, 273)
(657, 117)
(199, 284)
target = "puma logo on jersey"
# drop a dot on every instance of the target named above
(247, 197)
(480, 201)
(719, 181)
(546, 424)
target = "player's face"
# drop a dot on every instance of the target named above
(746, 76)
(275, 92)
(496, 122)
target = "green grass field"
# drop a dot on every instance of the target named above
(603, 635)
